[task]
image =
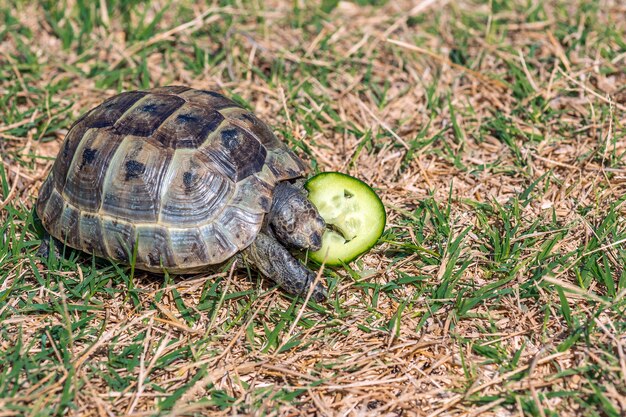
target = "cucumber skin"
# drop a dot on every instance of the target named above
(345, 177)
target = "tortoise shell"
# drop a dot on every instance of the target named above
(180, 177)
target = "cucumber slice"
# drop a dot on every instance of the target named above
(354, 215)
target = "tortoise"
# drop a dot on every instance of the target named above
(181, 180)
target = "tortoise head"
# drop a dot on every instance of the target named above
(294, 219)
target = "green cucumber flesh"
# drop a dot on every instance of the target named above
(354, 215)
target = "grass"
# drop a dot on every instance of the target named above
(493, 131)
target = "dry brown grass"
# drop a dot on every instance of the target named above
(400, 351)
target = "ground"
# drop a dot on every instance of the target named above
(493, 132)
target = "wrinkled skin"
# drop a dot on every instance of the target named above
(294, 219)
(275, 262)
(293, 222)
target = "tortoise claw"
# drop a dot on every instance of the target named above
(44, 248)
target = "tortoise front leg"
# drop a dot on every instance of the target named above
(44, 247)
(268, 256)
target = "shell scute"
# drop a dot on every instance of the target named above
(240, 225)
(170, 89)
(254, 194)
(208, 99)
(91, 235)
(111, 110)
(90, 165)
(189, 127)
(44, 194)
(218, 245)
(236, 152)
(133, 190)
(154, 248)
(285, 165)
(50, 214)
(190, 249)
(195, 193)
(147, 115)
(255, 127)
(66, 154)
(69, 225)
(119, 238)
